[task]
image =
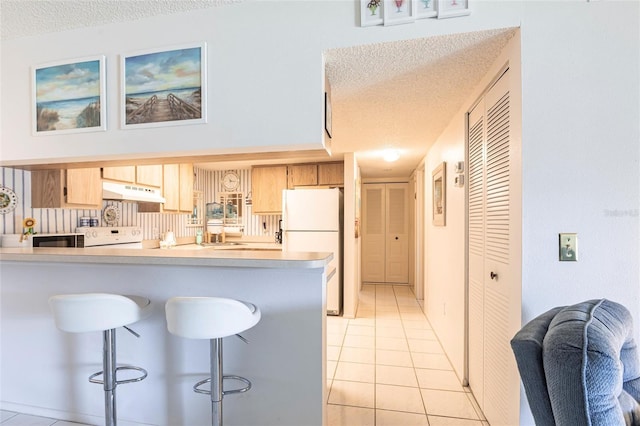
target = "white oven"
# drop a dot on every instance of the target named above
(118, 237)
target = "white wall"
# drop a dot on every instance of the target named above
(265, 76)
(581, 153)
(580, 168)
(351, 266)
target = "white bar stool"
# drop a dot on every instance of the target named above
(212, 318)
(79, 313)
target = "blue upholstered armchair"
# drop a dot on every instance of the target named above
(580, 365)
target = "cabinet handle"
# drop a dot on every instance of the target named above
(396, 238)
(493, 275)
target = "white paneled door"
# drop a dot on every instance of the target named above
(494, 255)
(385, 233)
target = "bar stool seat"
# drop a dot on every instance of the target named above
(79, 313)
(212, 318)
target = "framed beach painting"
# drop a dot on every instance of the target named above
(165, 87)
(69, 96)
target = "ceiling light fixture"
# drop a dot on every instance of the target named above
(390, 155)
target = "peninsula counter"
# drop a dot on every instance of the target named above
(44, 371)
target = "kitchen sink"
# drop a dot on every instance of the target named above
(228, 243)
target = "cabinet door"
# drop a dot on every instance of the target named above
(267, 184)
(303, 175)
(149, 175)
(178, 187)
(120, 173)
(373, 233)
(84, 187)
(331, 174)
(171, 187)
(186, 188)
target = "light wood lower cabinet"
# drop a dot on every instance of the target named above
(71, 189)
(267, 184)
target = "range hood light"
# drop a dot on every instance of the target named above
(124, 192)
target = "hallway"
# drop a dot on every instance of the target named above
(386, 367)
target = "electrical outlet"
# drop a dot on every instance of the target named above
(568, 247)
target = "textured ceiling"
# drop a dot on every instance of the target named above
(403, 94)
(388, 95)
(21, 18)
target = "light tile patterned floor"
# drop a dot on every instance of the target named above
(384, 368)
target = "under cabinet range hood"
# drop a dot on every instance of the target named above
(126, 192)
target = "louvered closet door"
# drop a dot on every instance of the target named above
(373, 233)
(476, 251)
(397, 239)
(494, 284)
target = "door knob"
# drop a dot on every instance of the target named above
(493, 275)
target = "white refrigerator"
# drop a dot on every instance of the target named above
(312, 221)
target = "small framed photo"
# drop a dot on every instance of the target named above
(439, 190)
(327, 113)
(164, 87)
(371, 12)
(399, 12)
(426, 8)
(69, 97)
(453, 8)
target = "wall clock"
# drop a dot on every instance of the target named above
(8, 200)
(230, 181)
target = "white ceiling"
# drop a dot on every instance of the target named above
(388, 95)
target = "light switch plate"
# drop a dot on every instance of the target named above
(568, 247)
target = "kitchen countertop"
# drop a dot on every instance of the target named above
(222, 256)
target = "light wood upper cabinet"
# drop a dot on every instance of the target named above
(186, 188)
(178, 187)
(141, 175)
(267, 184)
(331, 174)
(149, 175)
(302, 175)
(120, 173)
(72, 188)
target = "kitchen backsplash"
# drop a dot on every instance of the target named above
(66, 220)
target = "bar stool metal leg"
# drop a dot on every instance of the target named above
(109, 369)
(216, 381)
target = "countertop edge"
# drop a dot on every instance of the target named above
(222, 258)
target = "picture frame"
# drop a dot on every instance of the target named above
(164, 87)
(371, 12)
(439, 194)
(399, 12)
(426, 8)
(69, 96)
(327, 114)
(452, 8)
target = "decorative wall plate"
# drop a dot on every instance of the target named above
(8, 200)
(111, 215)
